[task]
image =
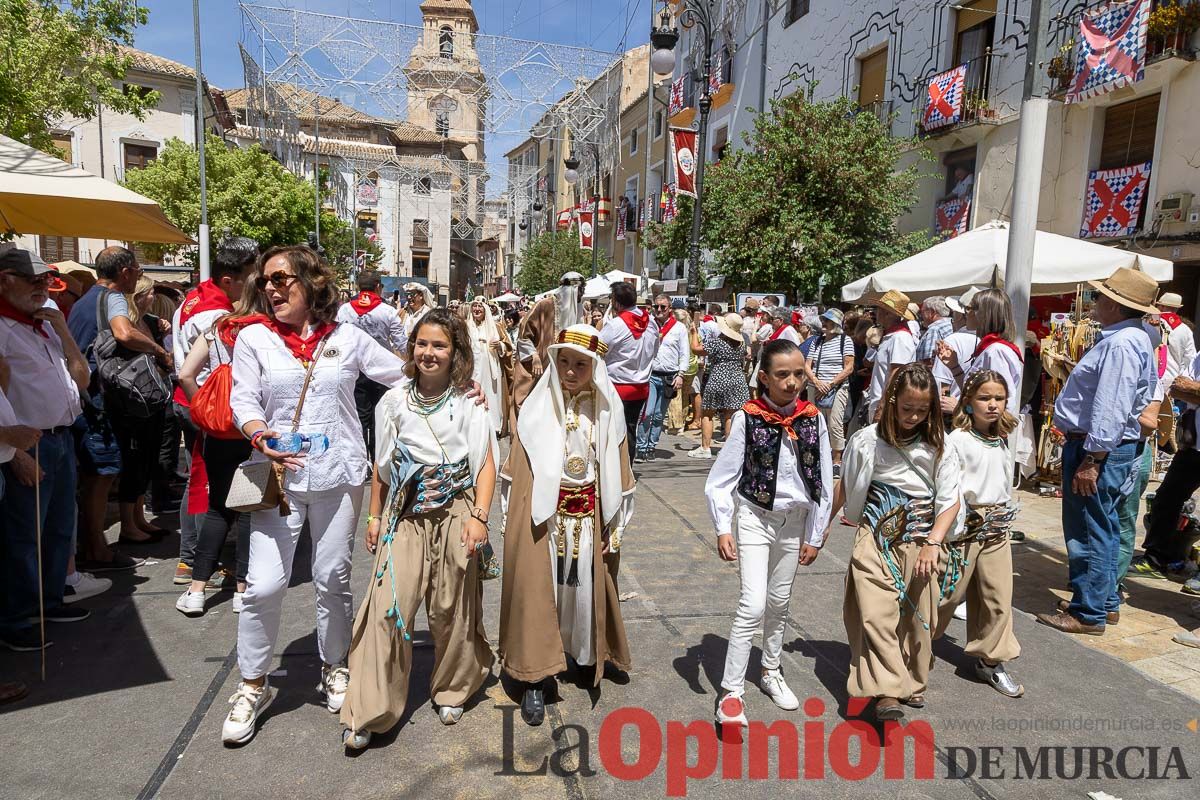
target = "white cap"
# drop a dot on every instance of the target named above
(959, 305)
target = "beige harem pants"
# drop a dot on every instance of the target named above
(987, 586)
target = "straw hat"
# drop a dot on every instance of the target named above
(731, 325)
(1170, 300)
(896, 302)
(1131, 288)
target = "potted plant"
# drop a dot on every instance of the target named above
(976, 107)
(1061, 68)
(1171, 24)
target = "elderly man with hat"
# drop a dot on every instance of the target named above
(1181, 343)
(897, 347)
(1098, 410)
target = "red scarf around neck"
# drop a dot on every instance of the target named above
(228, 328)
(636, 320)
(205, 297)
(9, 311)
(898, 327)
(667, 328)
(777, 333)
(365, 302)
(760, 408)
(1171, 318)
(302, 347)
(994, 338)
(707, 318)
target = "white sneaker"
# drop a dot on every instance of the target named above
(248, 703)
(86, 585)
(355, 740)
(335, 681)
(449, 715)
(191, 603)
(960, 611)
(731, 710)
(239, 599)
(701, 452)
(776, 688)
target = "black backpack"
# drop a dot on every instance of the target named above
(131, 381)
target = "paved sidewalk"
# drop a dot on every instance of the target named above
(135, 696)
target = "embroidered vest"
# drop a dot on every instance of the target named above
(760, 463)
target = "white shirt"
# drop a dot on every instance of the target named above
(629, 358)
(710, 328)
(461, 429)
(790, 491)
(410, 323)
(674, 351)
(963, 342)
(868, 458)
(267, 380)
(1002, 359)
(8, 418)
(185, 335)
(986, 478)
(896, 349)
(42, 393)
(382, 323)
(1181, 351)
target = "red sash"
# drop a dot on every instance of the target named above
(1171, 318)
(301, 347)
(902, 326)
(9, 311)
(760, 408)
(637, 321)
(632, 391)
(366, 301)
(777, 333)
(993, 338)
(667, 328)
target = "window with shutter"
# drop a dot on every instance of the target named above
(1129, 133)
(60, 248)
(795, 10)
(138, 156)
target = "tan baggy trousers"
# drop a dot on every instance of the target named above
(429, 563)
(890, 646)
(987, 586)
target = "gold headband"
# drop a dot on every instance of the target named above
(583, 340)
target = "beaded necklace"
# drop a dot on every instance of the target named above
(990, 441)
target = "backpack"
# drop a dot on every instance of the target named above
(132, 382)
(210, 409)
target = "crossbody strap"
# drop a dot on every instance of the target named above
(312, 365)
(920, 474)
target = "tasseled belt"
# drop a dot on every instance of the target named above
(896, 518)
(575, 504)
(985, 523)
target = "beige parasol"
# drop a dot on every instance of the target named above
(42, 194)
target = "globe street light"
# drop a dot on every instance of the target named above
(662, 41)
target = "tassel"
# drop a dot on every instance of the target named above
(573, 578)
(561, 566)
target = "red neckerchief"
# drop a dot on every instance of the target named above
(301, 347)
(228, 328)
(10, 311)
(667, 328)
(707, 318)
(898, 327)
(993, 338)
(205, 297)
(366, 301)
(760, 408)
(776, 334)
(637, 321)
(1171, 318)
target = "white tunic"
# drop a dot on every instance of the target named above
(985, 475)
(896, 349)
(868, 458)
(267, 380)
(461, 429)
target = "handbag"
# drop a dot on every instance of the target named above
(210, 409)
(258, 485)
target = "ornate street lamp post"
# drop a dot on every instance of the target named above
(572, 177)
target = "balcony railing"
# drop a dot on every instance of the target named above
(880, 109)
(975, 104)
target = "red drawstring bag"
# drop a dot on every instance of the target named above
(210, 405)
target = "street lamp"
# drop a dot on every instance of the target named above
(572, 177)
(701, 14)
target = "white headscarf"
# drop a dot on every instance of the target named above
(540, 426)
(487, 371)
(430, 301)
(568, 311)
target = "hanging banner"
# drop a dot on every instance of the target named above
(683, 160)
(944, 101)
(585, 230)
(368, 192)
(541, 184)
(714, 77)
(622, 210)
(952, 218)
(564, 219)
(670, 210)
(676, 104)
(1112, 49)
(1114, 201)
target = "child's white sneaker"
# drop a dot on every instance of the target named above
(731, 710)
(776, 688)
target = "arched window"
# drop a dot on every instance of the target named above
(446, 43)
(441, 125)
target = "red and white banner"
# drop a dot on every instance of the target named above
(1112, 49)
(676, 104)
(585, 230)
(683, 160)
(1114, 201)
(944, 103)
(564, 219)
(952, 218)
(622, 210)
(714, 77)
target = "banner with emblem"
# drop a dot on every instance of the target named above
(1114, 201)
(368, 192)
(676, 104)
(585, 230)
(944, 98)
(683, 160)
(1112, 49)
(952, 218)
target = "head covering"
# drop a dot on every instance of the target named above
(570, 277)
(959, 305)
(731, 325)
(540, 426)
(568, 310)
(23, 262)
(835, 316)
(430, 302)
(1131, 288)
(751, 304)
(894, 301)
(1170, 300)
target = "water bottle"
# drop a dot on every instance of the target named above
(311, 443)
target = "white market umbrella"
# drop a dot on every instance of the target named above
(600, 286)
(628, 277)
(507, 297)
(979, 258)
(40, 194)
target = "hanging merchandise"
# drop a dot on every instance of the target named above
(683, 160)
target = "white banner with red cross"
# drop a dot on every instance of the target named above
(952, 218)
(1114, 201)
(676, 104)
(586, 230)
(944, 103)
(683, 160)
(1112, 49)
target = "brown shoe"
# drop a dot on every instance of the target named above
(1069, 623)
(888, 708)
(1110, 618)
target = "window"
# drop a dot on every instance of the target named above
(420, 232)
(960, 174)
(975, 28)
(795, 10)
(1129, 133)
(446, 43)
(689, 85)
(420, 265)
(133, 90)
(720, 144)
(872, 78)
(658, 124)
(633, 142)
(631, 210)
(138, 156)
(423, 186)
(60, 248)
(726, 65)
(441, 124)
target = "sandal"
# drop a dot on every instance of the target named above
(12, 691)
(916, 701)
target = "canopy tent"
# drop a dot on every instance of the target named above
(600, 286)
(629, 277)
(40, 194)
(507, 297)
(979, 257)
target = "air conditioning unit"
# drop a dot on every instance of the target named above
(1172, 213)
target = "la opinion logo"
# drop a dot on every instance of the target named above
(687, 162)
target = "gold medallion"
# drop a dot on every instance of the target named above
(576, 466)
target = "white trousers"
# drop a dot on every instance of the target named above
(768, 544)
(332, 517)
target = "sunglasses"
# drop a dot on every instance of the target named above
(43, 279)
(280, 280)
(662, 308)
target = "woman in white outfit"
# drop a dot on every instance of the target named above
(270, 364)
(488, 346)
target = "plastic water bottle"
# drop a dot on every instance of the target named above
(311, 443)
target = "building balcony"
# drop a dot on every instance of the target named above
(880, 109)
(954, 104)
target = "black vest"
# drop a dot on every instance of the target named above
(760, 461)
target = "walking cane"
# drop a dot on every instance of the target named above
(37, 505)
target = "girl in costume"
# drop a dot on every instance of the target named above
(771, 488)
(979, 568)
(488, 348)
(901, 489)
(570, 496)
(434, 476)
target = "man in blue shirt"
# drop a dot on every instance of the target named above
(1098, 410)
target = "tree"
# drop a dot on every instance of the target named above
(62, 58)
(249, 192)
(817, 192)
(669, 240)
(551, 255)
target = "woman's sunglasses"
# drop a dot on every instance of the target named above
(280, 280)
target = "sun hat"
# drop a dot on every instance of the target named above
(1170, 300)
(1131, 288)
(730, 325)
(835, 316)
(959, 304)
(894, 301)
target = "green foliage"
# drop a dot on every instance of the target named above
(61, 59)
(669, 240)
(551, 255)
(816, 192)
